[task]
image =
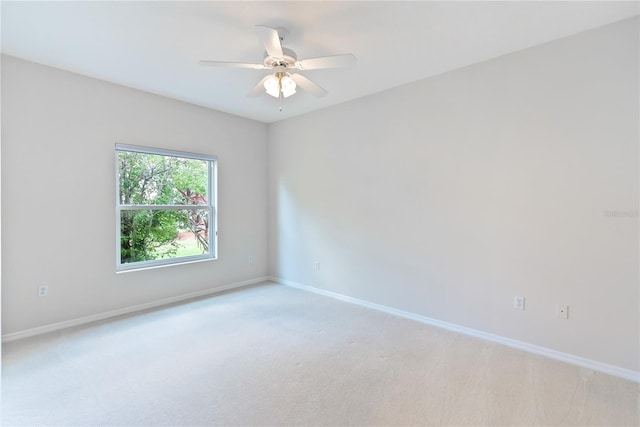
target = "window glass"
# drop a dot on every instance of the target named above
(166, 212)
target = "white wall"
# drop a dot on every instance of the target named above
(58, 190)
(449, 196)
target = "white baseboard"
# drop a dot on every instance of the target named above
(531, 348)
(128, 310)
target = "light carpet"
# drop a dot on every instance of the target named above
(273, 355)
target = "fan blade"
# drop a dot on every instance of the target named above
(271, 40)
(334, 61)
(259, 88)
(308, 85)
(233, 64)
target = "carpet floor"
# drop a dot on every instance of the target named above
(271, 355)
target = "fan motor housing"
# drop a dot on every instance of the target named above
(288, 59)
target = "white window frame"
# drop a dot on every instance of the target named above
(211, 207)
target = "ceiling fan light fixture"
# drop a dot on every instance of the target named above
(280, 83)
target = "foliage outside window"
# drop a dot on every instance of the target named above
(165, 207)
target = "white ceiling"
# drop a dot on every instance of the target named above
(155, 45)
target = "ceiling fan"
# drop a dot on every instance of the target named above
(283, 82)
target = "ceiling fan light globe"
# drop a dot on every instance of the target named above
(288, 86)
(271, 85)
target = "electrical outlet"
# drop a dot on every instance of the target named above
(43, 290)
(316, 265)
(251, 259)
(518, 302)
(562, 311)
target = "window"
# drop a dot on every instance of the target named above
(165, 207)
